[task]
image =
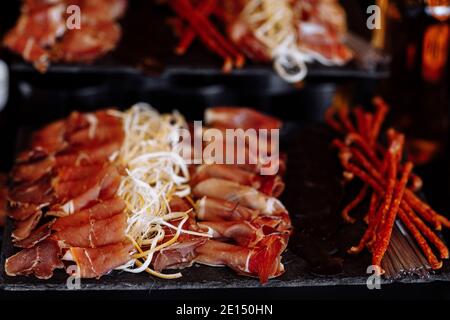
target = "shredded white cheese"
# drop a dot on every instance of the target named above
(155, 172)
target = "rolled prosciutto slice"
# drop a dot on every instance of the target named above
(95, 262)
(270, 185)
(244, 118)
(263, 261)
(102, 210)
(77, 195)
(242, 233)
(41, 260)
(212, 209)
(179, 255)
(234, 192)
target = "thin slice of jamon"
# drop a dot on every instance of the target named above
(242, 233)
(97, 136)
(74, 173)
(88, 43)
(41, 260)
(38, 235)
(93, 154)
(263, 261)
(38, 193)
(244, 118)
(102, 210)
(95, 233)
(95, 262)
(23, 228)
(102, 9)
(178, 256)
(77, 195)
(35, 32)
(270, 185)
(234, 192)
(21, 212)
(32, 171)
(50, 138)
(212, 209)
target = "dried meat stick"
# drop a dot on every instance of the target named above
(390, 188)
(329, 119)
(362, 160)
(352, 205)
(205, 8)
(379, 117)
(415, 181)
(360, 121)
(383, 241)
(368, 235)
(370, 216)
(366, 148)
(343, 114)
(428, 233)
(206, 31)
(431, 258)
(423, 209)
(368, 120)
(355, 170)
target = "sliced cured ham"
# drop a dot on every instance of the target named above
(263, 261)
(96, 136)
(88, 43)
(50, 138)
(75, 173)
(242, 233)
(35, 31)
(94, 233)
(234, 192)
(38, 235)
(212, 209)
(270, 185)
(33, 171)
(95, 262)
(23, 228)
(177, 256)
(102, 210)
(40, 260)
(22, 212)
(41, 33)
(77, 195)
(88, 155)
(243, 118)
(38, 193)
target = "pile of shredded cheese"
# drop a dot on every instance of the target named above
(155, 172)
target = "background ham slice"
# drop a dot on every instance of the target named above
(95, 262)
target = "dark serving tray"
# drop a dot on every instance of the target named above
(147, 49)
(316, 253)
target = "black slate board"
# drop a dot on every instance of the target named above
(315, 256)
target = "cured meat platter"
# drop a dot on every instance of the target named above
(312, 197)
(139, 56)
